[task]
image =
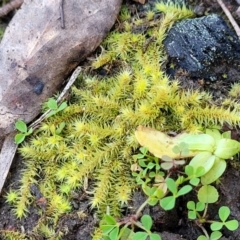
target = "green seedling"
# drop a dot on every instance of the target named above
(194, 209)
(53, 106)
(194, 174)
(147, 168)
(112, 229)
(168, 203)
(24, 131)
(214, 236)
(207, 194)
(224, 213)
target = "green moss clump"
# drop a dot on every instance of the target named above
(98, 141)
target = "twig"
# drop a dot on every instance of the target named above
(6, 157)
(10, 7)
(9, 147)
(230, 17)
(61, 14)
(72, 79)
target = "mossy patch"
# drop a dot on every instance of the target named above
(98, 141)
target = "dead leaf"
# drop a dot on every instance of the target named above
(37, 53)
(159, 143)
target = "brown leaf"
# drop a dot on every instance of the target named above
(37, 54)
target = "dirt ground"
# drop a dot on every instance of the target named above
(173, 225)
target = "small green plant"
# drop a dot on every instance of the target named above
(53, 106)
(160, 188)
(54, 109)
(112, 229)
(24, 131)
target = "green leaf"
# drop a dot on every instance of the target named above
(202, 238)
(21, 126)
(191, 205)
(227, 148)
(62, 106)
(154, 236)
(140, 236)
(114, 234)
(207, 194)
(19, 138)
(150, 165)
(30, 131)
(227, 135)
(200, 171)
(171, 185)
(194, 181)
(215, 235)
(152, 201)
(126, 234)
(52, 104)
(215, 134)
(146, 221)
(200, 206)
(107, 228)
(232, 225)
(168, 203)
(200, 142)
(184, 190)
(109, 219)
(189, 170)
(158, 193)
(143, 150)
(215, 172)
(224, 213)
(203, 159)
(216, 226)
(192, 215)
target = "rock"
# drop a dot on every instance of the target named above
(200, 45)
(37, 52)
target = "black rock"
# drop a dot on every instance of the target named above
(201, 45)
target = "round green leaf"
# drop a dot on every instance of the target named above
(21, 126)
(215, 172)
(224, 213)
(200, 206)
(232, 225)
(52, 104)
(216, 226)
(192, 215)
(168, 203)
(140, 236)
(208, 194)
(191, 205)
(146, 221)
(227, 148)
(215, 235)
(19, 138)
(202, 238)
(194, 181)
(203, 159)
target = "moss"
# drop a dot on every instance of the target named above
(98, 141)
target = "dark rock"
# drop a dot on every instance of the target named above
(201, 45)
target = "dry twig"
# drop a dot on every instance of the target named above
(9, 147)
(10, 7)
(230, 17)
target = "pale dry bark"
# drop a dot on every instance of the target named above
(10, 7)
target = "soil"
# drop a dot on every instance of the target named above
(173, 225)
